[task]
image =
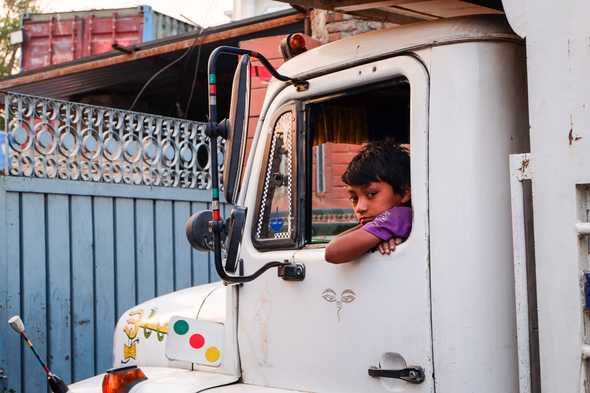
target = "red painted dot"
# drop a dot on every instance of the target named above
(197, 341)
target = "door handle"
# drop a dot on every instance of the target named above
(412, 374)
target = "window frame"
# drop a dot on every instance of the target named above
(294, 241)
(306, 170)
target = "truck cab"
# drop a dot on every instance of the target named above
(442, 304)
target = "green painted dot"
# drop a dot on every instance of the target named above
(180, 327)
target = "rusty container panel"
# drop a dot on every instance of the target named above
(56, 38)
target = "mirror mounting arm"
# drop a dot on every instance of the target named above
(216, 228)
(215, 130)
(299, 84)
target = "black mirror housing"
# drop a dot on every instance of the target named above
(200, 237)
(197, 231)
(235, 228)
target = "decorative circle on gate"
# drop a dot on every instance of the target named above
(20, 136)
(112, 148)
(151, 150)
(169, 153)
(202, 157)
(91, 144)
(131, 148)
(45, 140)
(187, 156)
(68, 145)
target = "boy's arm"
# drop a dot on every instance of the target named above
(350, 245)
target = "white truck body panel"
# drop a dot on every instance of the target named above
(290, 336)
(558, 60)
(477, 118)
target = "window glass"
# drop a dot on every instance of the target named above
(331, 211)
(339, 127)
(276, 220)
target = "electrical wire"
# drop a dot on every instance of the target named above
(205, 299)
(218, 386)
(167, 66)
(190, 97)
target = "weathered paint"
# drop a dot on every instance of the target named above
(78, 255)
(520, 170)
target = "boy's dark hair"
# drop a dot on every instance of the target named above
(383, 160)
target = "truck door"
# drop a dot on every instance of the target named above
(324, 333)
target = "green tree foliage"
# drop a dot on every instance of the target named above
(10, 22)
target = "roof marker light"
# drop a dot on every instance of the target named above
(292, 45)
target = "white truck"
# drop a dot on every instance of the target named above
(493, 107)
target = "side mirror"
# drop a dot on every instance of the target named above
(197, 231)
(200, 237)
(234, 131)
(237, 130)
(234, 230)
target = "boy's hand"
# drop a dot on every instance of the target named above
(389, 246)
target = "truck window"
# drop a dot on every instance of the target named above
(275, 223)
(338, 127)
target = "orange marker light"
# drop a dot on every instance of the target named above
(293, 45)
(297, 42)
(121, 380)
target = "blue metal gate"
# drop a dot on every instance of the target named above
(93, 203)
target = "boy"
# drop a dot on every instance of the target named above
(378, 184)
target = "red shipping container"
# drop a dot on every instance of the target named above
(60, 37)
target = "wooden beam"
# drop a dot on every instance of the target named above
(150, 52)
(331, 4)
(400, 18)
(405, 12)
(369, 5)
(448, 8)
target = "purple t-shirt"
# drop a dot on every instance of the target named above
(393, 222)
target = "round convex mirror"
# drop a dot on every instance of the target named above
(197, 231)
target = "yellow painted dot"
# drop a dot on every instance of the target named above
(212, 354)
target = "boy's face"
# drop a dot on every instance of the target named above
(371, 199)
